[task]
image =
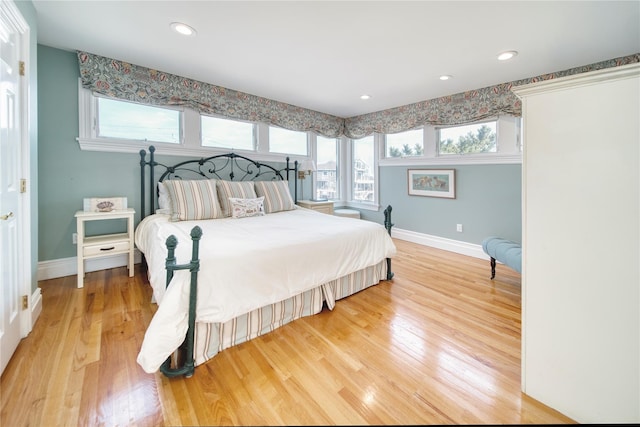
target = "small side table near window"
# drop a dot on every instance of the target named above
(105, 244)
(325, 206)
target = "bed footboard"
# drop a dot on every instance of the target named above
(187, 366)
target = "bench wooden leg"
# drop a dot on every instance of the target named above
(493, 268)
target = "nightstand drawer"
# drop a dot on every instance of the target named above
(104, 245)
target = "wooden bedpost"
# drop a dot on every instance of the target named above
(388, 224)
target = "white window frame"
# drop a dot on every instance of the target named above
(508, 145)
(384, 144)
(97, 122)
(346, 172)
(307, 140)
(190, 138)
(313, 151)
(254, 136)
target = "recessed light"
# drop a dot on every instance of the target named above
(507, 55)
(365, 96)
(446, 77)
(183, 29)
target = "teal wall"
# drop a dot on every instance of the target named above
(66, 174)
(487, 196)
(488, 202)
(30, 15)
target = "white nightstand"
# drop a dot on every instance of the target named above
(324, 207)
(105, 244)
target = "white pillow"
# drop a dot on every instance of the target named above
(163, 198)
(243, 208)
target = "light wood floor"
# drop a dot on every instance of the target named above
(440, 344)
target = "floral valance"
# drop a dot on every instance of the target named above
(130, 82)
(461, 108)
(119, 79)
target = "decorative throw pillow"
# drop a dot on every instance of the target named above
(276, 195)
(243, 208)
(239, 190)
(191, 200)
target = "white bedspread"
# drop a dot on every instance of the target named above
(247, 263)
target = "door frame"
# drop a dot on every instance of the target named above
(27, 317)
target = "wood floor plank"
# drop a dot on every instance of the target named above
(439, 344)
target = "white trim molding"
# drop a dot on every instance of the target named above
(463, 248)
(35, 306)
(69, 266)
(577, 80)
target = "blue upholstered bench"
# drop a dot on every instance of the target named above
(503, 250)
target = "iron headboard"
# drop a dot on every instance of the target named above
(229, 166)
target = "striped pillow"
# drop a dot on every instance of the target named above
(276, 195)
(191, 200)
(239, 190)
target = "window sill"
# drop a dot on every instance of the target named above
(126, 146)
(471, 159)
(375, 207)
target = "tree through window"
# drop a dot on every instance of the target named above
(468, 139)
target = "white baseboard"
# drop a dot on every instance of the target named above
(36, 305)
(69, 266)
(451, 245)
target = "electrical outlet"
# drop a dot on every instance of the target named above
(74, 238)
(459, 228)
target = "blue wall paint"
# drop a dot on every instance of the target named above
(488, 202)
(487, 196)
(66, 174)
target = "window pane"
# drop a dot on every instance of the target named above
(127, 120)
(224, 133)
(404, 144)
(287, 141)
(363, 173)
(327, 168)
(475, 138)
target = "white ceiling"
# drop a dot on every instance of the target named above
(323, 55)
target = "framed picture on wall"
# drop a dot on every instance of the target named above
(432, 182)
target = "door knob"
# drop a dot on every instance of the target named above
(6, 216)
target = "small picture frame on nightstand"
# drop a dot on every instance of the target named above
(104, 204)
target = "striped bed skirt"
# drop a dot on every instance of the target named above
(212, 338)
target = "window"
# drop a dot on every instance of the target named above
(469, 139)
(287, 141)
(327, 180)
(225, 133)
(493, 141)
(127, 120)
(364, 173)
(405, 144)
(118, 126)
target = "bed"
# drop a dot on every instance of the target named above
(252, 260)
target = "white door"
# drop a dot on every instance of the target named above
(11, 215)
